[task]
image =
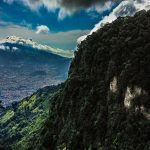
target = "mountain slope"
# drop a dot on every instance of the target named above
(21, 122)
(105, 103)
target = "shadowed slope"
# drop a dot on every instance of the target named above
(106, 99)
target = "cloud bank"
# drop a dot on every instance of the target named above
(125, 8)
(30, 43)
(66, 4)
(68, 7)
(64, 40)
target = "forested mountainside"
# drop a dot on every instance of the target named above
(105, 102)
(20, 122)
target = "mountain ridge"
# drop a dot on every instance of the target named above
(15, 41)
(105, 103)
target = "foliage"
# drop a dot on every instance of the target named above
(21, 122)
(87, 114)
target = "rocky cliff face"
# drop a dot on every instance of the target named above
(106, 99)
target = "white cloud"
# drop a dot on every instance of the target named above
(2, 47)
(42, 29)
(66, 8)
(100, 8)
(32, 44)
(125, 8)
(63, 13)
(14, 48)
(51, 5)
(64, 40)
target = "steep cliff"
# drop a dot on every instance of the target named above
(106, 99)
(105, 102)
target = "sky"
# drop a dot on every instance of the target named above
(61, 23)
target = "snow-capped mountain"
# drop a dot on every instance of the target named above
(15, 42)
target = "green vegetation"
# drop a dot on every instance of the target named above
(9, 114)
(22, 121)
(105, 102)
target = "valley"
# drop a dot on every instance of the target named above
(27, 69)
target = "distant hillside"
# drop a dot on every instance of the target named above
(22, 121)
(27, 66)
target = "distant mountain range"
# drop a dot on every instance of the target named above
(14, 43)
(27, 66)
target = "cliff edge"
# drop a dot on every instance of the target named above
(105, 104)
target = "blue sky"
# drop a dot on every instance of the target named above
(60, 23)
(17, 14)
